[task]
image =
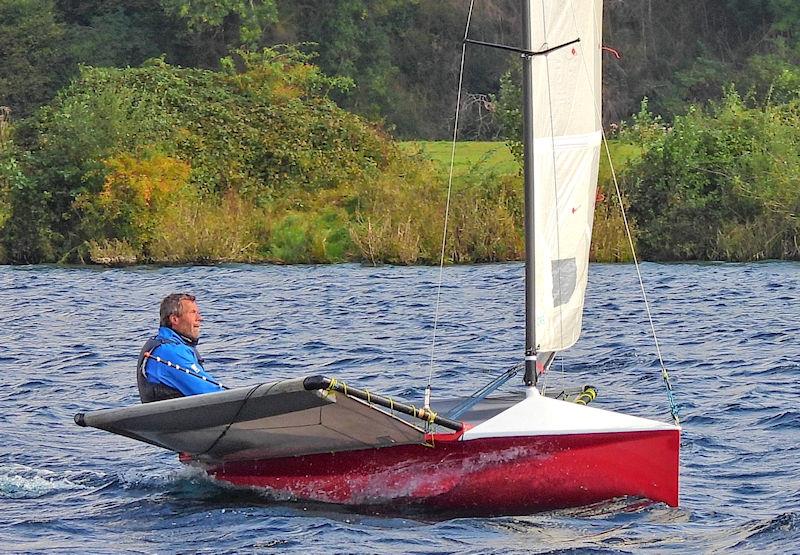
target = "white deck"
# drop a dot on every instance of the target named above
(540, 415)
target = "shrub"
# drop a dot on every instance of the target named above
(330, 240)
(487, 220)
(136, 198)
(399, 217)
(723, 183)
(290, 242)
(112, 252)
(610, 241)
(209, 229)
(263, 128)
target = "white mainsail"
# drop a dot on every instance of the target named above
(566, 153)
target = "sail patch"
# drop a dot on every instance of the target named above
(565, 279)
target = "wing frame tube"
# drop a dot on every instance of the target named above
(331, 384)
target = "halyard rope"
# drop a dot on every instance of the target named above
(447, 204)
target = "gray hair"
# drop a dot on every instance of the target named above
(171, 305)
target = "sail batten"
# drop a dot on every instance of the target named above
(564, 130)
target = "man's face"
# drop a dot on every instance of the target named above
(188, 323)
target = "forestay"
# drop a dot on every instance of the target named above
(566, 151)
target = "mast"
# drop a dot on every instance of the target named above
(569, 153)
(527, 141)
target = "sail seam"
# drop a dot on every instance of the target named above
(552, 144)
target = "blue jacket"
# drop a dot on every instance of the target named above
(170, 346)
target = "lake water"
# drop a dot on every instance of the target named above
(69, 338)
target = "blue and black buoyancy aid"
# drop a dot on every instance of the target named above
(157, 380)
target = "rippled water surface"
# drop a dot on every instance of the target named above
(69, 339)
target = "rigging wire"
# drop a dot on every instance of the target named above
(664, 373)
(234, 420)
(447, 204)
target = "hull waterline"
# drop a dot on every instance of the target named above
(503, 475)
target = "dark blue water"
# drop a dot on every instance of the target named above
(69, 338)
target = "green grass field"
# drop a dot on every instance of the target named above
(495, 156)
(470, 156)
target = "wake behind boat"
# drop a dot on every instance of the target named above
(316, 438)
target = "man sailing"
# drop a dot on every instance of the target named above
(169, 364)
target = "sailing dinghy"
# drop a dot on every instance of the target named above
(318, 439)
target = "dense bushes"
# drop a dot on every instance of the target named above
(403, 56)
(256, 163)
(120, 152)
(720, 184)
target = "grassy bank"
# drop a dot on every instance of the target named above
(483, 162)
(252, 164)
(394, 216)
(470, 157)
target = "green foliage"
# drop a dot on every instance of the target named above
(112, 252)
(11, 175)
(290, 241)
(265, 130)
(786, 14)
(404, 56)
(470, 156)
(44, 41)
(209, 229)
(188, 228)
(509, 108)
(610, 242)
(330, 240)
(721, 184)
(68, 142)
(250, 16)
(775, 77)
(487, 218)
(486, 212)
(264, 145)
(136, 199)
(400, 217)
(33, 64)
(319, 236)
(113, 34)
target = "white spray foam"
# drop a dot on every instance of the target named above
(18, 481)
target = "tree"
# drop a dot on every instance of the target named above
(32, 53)
(213, 28)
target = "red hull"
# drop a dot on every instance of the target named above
(505, 475)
